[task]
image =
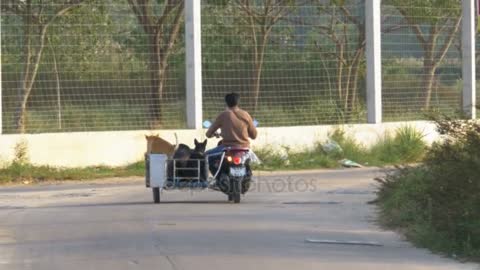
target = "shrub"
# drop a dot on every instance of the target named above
(405, 146)
(438, 203)
(21, 152)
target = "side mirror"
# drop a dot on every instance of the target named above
(207, 124)
(255, 123)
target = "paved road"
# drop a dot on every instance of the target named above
(114, 225)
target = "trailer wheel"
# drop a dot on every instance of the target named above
(236, 197)
(156, 195)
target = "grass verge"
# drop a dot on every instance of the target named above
(18, 172)
(405, 145)
(437, 204)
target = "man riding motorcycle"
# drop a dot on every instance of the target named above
(237, 127)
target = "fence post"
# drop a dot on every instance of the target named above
(193, 44)
(1, 88)
(374, 61)
(468, 54)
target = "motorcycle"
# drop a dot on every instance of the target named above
(231, 168)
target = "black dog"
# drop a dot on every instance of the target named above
(197, 158)
(200, 147)
(186, 160)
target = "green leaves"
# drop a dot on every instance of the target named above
(338, 2)
(427, 11)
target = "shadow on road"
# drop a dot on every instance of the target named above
(113, 204)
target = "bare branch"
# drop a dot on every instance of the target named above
(394, 28)
(415, 27)
(245, 6)
(140, 8)
(349, 16)
(68, 6)
(451, 36)
(280, 14)
(445, 25)
(168, 7)
(166, 51)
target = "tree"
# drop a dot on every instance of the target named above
(260, 20)
(162, 32)
(36, 17)
(435, 24)
(344, 34)
(346, 31)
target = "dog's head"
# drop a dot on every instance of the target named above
(150, 141)
(157, 145)
(200, 146)
(152, 137)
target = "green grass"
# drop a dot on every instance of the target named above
(20, 172)
(114, 115)
(405, 145)
(273, 160)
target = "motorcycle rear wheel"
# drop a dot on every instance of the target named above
(236, 189)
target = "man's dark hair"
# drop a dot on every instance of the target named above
(232, 99)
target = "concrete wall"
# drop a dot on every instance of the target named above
(123, 147)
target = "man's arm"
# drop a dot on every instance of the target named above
(216, 125)
(252, 130)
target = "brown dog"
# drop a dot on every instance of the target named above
(157, 145)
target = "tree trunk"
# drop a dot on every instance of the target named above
(256, 83)
(340, 67)
(258, 70)
(157, 83)
(347, 88)
(30, 73)
(356, 75)
(353, 80)
(57, 80)
(159, 52)
(429, 69)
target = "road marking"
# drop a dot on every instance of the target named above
(314, 202)
(338, 242)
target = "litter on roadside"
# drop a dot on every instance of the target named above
(331, 146)
(350, 164)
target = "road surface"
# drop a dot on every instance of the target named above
(114, 225)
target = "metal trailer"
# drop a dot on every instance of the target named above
(163, 173)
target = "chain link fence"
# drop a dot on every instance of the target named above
(293, 64)
(93, 67)
(421, 59)
(120, 65)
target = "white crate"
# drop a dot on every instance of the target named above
(158, 170)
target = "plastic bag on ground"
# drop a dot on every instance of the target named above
(350, 164)
(331, 146)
